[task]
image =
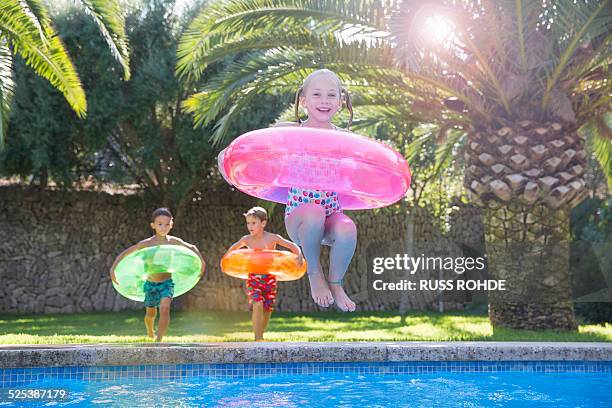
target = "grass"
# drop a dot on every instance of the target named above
(186, 327)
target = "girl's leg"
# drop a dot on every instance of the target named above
(164, 318)
(258, 320)
(149, 321)
(306, 226)
(341, 233)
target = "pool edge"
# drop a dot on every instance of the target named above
(287, 352)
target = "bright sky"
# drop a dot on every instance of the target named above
(180, 5)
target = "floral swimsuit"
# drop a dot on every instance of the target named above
(326, 199)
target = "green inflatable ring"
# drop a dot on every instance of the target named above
(132, 271)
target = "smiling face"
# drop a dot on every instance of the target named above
(162, 225)
(321, 98)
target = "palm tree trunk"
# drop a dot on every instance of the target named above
(529, 248)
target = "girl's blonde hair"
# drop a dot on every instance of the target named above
(344, 94)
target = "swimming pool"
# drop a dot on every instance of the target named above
(349, 384)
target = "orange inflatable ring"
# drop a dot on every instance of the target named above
(281, 264)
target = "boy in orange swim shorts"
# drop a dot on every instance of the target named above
(261, 287)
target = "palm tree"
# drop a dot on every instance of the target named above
(525, 76)
(518, 78)
(274, 45)
(26, 29)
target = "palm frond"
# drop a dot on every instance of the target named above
(352, 58)
(109, 18)
(520, 32)
(485, 63)
(464, 53)
(6, 87)
(46, 55)
(226, 21)
(416, 147)
(598, 132)
(223, 123)
(262, 40)
(446, 152)
(36, 13)
(597, 58)
(264, 68)
(24, 19)
(574, 24)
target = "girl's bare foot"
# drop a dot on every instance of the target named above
(319, 290)
(342, 300)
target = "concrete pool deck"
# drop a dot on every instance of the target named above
(17, 356)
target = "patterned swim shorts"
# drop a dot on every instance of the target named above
(155, 291)
(326, 199)
(262, 288)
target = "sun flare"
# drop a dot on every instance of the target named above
(438, 29)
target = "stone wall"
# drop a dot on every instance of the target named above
(57, 247)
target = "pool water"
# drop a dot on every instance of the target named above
(335, 389)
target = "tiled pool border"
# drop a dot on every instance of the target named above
(20, 356)
(11, 377)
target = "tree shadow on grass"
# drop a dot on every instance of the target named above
(326, 326)
(126, 323)
(505, 334)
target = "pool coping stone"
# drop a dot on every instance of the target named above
(17, 356)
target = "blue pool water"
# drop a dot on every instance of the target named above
(506, 384)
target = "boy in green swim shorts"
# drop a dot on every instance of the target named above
(159, 287)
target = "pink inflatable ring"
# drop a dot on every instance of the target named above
(365, 173)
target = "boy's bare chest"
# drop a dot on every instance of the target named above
(261, 243)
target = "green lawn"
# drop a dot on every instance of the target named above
(126, 327)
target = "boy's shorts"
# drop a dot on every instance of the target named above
(155, 291)
(262, 288)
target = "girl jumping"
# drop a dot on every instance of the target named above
(314, 217)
